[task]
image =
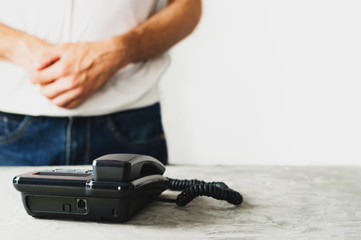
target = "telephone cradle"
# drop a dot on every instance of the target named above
(118, 186)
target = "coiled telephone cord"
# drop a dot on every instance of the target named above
(195, 188)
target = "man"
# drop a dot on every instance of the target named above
(79, 77)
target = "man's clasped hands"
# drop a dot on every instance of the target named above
(70, 73)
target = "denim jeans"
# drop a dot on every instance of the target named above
(28, 140)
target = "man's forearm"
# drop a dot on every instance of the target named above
(161, 31)
(9, 41)
(20, 48)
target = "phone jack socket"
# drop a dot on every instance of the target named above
(81, 205)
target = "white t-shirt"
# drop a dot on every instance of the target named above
(60, 21)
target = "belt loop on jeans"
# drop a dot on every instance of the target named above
(87, 140)
(68, 141)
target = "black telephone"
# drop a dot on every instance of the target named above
(118, 187)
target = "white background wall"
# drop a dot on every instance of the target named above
(267, 82)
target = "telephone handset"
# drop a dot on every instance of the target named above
(125, 167)
(118, 186)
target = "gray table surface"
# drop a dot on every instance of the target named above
(280, 202)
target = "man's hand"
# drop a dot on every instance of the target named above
(23, 49)
(72, 72)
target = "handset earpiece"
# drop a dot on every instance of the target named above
(125, 167)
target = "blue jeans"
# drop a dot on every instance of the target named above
(28, 140)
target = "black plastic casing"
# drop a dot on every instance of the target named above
(125, 167)
(75, 194)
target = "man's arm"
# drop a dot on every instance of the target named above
(162, 31)
(21, 48)
(9, 40)
(85, 67)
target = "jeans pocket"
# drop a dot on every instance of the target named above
(12, 126)
(140, 128)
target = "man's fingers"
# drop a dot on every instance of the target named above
(46, 62)
(53, 89)
(49, 74)
(67, 97)
(75, 103)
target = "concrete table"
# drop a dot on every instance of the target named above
(280, 202)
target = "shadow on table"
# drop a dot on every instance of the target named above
(201, 211)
